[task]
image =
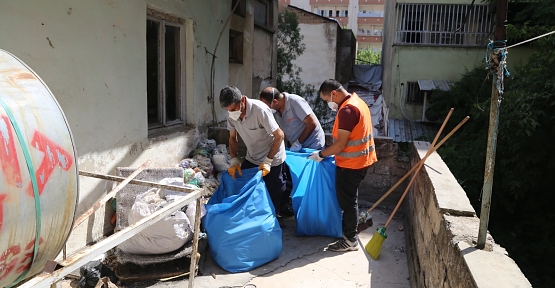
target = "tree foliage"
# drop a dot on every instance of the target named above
(290, 47)
(367, 56)
(521, 217)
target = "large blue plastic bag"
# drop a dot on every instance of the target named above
(240, 222)
(314, 200)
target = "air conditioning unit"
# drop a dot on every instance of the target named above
(427, 115)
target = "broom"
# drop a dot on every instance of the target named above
(433, 149)
(374, 246)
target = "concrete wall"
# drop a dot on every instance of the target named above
(442, 232)
(91, 54)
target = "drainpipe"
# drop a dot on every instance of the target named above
(499, 36)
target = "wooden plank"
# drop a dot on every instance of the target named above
(44, 279)
(109, 195)
(137, 182)
(195, 244)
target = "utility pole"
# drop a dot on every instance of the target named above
(499, 36)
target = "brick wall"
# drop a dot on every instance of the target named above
(442, 230)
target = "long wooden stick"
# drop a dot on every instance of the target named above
(110, 194)
(420, 164)
(44, 279)
(413, 167)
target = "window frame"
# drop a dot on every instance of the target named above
(164, 20)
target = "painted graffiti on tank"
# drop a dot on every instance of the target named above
(8, 154)
(54, 155)
(9, 259)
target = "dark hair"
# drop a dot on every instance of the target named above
(230, 95)
(269, 94)
(328, 86)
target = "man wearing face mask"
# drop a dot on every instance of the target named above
(254, 122)
(295, 117)
(354, 150)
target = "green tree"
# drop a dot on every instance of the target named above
(367, 56)
(290, 46)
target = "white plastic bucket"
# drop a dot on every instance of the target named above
(37, 157)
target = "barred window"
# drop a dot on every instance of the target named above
(443, 24)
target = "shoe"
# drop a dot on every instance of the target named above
(343, 245)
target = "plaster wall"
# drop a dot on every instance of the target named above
(91, 54)
(318, 62)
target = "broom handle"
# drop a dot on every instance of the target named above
(414, 167)
(420, 165)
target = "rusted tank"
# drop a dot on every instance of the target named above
(38, 173)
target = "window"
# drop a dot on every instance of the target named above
(336, 13)
(414, 95)
(346, 13)
(164, 54)
(443, 24)
(322, 12)
(330, 13)
(241, 8)
(235, 47)
(262, 15)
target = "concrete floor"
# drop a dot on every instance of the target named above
(304, 263)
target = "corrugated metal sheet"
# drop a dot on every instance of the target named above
(407, 131)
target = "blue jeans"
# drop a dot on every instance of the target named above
(346, 186)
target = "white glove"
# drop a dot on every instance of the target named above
(266, 166)
(316, 156)
(296, 147)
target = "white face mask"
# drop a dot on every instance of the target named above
(332, 105)
(273, 111)
(234, 115)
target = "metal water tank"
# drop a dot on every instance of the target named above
(38, 173)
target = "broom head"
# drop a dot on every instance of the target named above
(374, 246)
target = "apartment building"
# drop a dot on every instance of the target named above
(364, 17)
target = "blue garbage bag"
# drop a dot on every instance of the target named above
(241, 224)
(314, 200)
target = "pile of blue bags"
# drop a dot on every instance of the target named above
(241, 224)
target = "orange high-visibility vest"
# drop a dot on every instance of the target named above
(360, 151)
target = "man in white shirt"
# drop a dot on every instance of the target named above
(253, 120)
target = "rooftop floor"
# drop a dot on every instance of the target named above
(304, 263)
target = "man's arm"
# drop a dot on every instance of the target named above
(233, 143)
(339, 145)
(278, 139)
(311, 123)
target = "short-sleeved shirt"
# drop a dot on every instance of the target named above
(347, 116)
(292, 124)
(256, 130)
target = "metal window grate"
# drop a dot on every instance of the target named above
(414, 95)
(443, 24)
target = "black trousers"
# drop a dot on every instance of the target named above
(346, 186)
(275, 182)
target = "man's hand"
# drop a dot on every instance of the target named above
(296, 147)
(316, 156)
(234, 166)
(266, 166)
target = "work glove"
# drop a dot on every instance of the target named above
(296, 147)
(234, 166)
(266, 166)
(316, 156)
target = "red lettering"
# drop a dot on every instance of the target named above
(8, 264)
(54, 155)
(28, 256)
(2, 197)
(8, 154)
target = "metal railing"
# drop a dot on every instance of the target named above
(443, 24)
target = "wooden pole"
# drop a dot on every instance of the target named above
(110, 194)
(499, 36)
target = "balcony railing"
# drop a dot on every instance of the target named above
(370, 14)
